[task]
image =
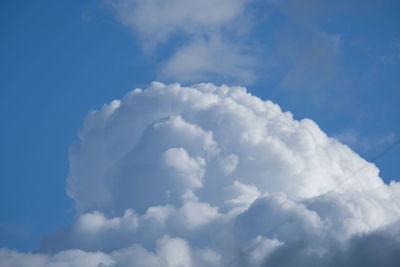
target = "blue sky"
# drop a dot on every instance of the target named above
(337, 64)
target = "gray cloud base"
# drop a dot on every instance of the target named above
(213, 176)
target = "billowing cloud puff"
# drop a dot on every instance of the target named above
(213, 176)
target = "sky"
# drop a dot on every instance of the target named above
(334, 63)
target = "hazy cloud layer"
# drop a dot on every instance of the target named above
(357, 141)
(213, 176)
(205, 37)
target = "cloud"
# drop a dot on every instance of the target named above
(190, 170)
(156, 21)
(202, 59)
(207, 43)
(363, 143)
(219, 41)
(304, 56)
(214, 176)
(73, 258)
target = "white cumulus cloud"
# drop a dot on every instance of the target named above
(214, 176)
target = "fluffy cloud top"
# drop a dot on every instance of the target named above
(213, 176)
